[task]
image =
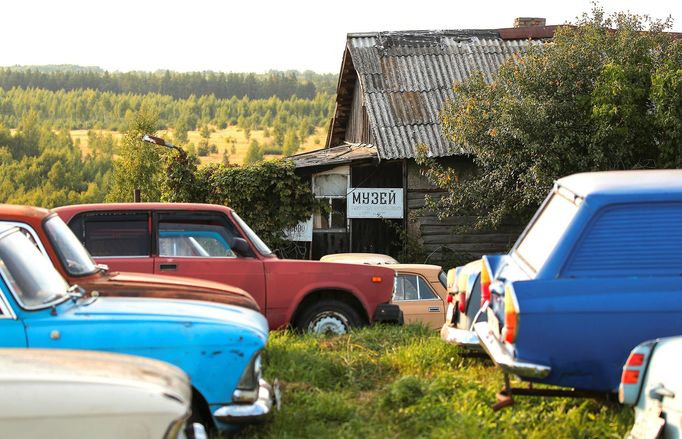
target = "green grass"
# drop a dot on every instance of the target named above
(404, 382)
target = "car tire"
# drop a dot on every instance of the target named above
(329, 317)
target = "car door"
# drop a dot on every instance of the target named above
(121, 240)
(417, 300)
(199, 245)
(12, 331)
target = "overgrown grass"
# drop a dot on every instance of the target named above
(404, 382)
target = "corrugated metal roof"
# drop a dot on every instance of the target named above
(406, 77)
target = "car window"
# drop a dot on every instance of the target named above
(412, 287)
(425, 290)
(544, 233)
(194, 240)
(642, 240)
(116, 234)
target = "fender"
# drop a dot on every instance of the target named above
(326, 286)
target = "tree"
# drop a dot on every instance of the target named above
(604, 94)
(139, 163)
(291, 143)
(254, 153)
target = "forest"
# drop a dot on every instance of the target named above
(40, 107)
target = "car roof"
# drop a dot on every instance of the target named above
(426, 269)
(16, 211)
(77, 208)
(651, 181)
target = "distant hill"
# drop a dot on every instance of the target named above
(57, 68)
(222, 85)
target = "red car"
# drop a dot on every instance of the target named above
(67, 254)
(212, 242)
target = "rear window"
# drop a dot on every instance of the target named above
(114, 234)
(545, 231)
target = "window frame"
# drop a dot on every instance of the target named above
(435, 297)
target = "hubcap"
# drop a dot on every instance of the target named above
(329, 323)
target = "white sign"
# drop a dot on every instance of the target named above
(303, 231)
(374, 203)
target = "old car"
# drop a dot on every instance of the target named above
(212, 242)
(465, 305)
(360, 258)
(54, 238)
(651, 382)
(218, 346)
(419, 289)
(69, 393)
(596, 271)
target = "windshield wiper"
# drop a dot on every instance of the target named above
(53, 297)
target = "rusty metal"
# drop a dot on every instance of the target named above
(505, 397)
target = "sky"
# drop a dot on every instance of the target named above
(251, 35)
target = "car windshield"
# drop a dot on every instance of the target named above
(544, 233)
(74, 257)
(30, 275)
(260, 245)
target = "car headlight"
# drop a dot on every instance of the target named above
(249, 383)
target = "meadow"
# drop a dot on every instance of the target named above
(404, 382)
(232, 139)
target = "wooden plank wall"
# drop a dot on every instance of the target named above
(439, 238)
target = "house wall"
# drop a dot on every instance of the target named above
(440, 238)
(358, 130)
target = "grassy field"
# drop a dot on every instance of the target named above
(393, 382)
(231, 139)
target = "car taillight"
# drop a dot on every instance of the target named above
(633, 371)
(449, 298)
(376, 279)
(511, 315)
(452, 278)
(485, 283)
(462, 302)
(629, 376)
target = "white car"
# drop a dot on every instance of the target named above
(78, 394)
(652, 383)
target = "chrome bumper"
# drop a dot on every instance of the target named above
(503, 358)
(268, 397)
(460, 337)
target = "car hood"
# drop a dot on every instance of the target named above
(186, 313)
(90, 367)
(168, 287)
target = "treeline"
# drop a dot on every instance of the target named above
(42, 167)
(85, 109)
(283, 85)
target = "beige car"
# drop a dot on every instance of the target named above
(420, 289)
(79, 394)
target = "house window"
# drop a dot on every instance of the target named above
(331, 189)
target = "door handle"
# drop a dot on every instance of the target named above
(168, 267)
(434, 308)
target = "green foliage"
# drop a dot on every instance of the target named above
(404, 382)
(86, 109)
(267, 195)
(291, 143)
(42, 167)
(592, 99)
(137, 166)
(254, 153)
(283, 85)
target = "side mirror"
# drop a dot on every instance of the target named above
(241, 247)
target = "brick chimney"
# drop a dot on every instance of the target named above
(529, 21)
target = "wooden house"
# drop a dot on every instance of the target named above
(391, 88)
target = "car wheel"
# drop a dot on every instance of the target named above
(329, 317)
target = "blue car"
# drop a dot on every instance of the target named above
(597, 271)
(218, 346)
